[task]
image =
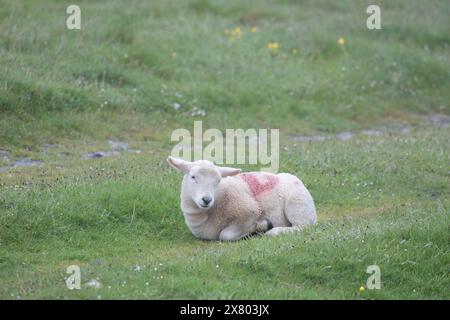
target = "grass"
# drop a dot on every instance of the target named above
(381, 199)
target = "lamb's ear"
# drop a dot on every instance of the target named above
(180, 164)
(226, 172)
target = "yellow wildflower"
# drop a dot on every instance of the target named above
(236, 32)
(361, 289)
(273, 45)
(341, 41)
(253, 29)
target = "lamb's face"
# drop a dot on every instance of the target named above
(202, 184)
(201, 179)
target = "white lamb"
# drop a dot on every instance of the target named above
(221, 203)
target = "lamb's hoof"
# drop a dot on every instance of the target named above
(264, 225)
(274, 232)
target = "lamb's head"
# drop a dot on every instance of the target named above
(201, 179)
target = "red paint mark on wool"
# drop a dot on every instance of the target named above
(269, 181)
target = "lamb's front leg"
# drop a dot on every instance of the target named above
(232, 233)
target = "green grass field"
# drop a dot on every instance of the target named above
(382, 196)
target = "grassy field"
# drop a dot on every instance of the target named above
(138, 70)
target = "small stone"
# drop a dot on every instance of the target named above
(25, 162)
(344, 136)
(100, 154)
(439, 120)
(307, 138)
(4, 155)
(118, 145)
(98, 261)
(371, 132)
(94, 284)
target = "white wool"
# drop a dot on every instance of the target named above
(241, 204)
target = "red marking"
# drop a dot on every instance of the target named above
(256, 186)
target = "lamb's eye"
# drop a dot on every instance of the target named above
(193, 177)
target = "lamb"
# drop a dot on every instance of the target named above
(221, 203)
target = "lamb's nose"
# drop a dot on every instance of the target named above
(206, 200)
